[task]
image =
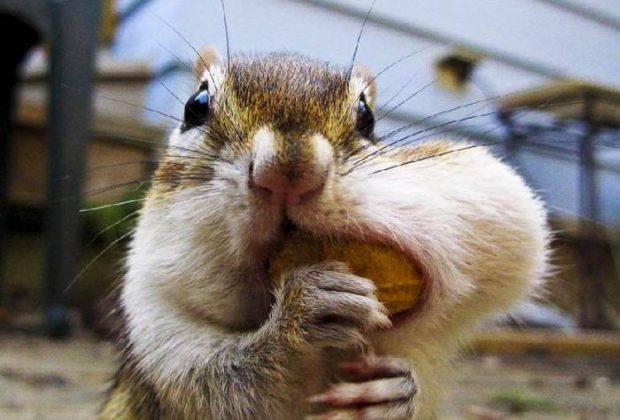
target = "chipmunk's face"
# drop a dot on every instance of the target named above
(264, 139)
(278, 141)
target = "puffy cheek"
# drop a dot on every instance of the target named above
(194, 144)
(355, 207)
(183, 142)
(389, 210)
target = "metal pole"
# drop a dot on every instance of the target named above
(585, 12)
(513, 138)
(73, 46)
(24, 37)
(592, 287)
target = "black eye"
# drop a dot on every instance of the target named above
(197, 108)
(365, 123)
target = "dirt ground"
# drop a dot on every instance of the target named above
(42, 379)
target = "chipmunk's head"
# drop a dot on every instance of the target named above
(278, 142)
(262, 134)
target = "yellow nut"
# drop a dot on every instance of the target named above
(398, 282)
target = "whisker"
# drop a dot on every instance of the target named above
(117, 240)
(399, 91)
(200, 152)
(94, 260)
(227, 35)
(428, 117)
(107, 206)
(394, 63)
(171, 92)
(434, 156)
(359, 38)
(151, 162)
(380, 151)
(183, 104)
(408, 98)
(403, 58)
(414, 123)
(116, 186)
(113, 225)
(120, 164)
(180, 35)
(122, 101)
(207, 68)
(149, 179)
(548, 104)
(419, 139)
(187, 65)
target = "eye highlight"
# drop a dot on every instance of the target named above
(365, 122)
(197, 108)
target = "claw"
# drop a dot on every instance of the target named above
(365, 393)
(367, 368)
(383, 388)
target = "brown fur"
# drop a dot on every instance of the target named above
(220, 339)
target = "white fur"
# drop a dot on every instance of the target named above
(469, 220)
(476, 228)
(323, 152)
(215, 76)
(265, 148)
(359, 84)
(270, 168)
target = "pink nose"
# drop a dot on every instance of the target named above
(279, 182)
(289, 172)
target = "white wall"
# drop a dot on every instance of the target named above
(527, 30)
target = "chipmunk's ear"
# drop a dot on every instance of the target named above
(209, 68)
(209, 57)
(363, 81)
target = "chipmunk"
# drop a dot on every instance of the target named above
(277, 143)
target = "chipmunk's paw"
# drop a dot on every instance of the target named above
(378, 388)
(328, 306)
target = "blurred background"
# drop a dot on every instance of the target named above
(90, 89)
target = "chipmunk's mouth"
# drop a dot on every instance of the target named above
(288, 227)
(400, 281)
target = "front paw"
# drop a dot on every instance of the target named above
(378, 388)
(325, 305)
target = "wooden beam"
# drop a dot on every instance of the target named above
(542, 342)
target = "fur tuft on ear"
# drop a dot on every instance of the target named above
(362, 80)
(209, 57)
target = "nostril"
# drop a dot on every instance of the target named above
(268, 179)
(312, 185)
(251, 173)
